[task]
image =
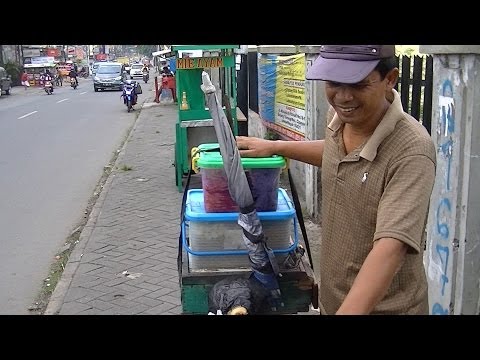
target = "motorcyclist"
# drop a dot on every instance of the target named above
(145, 70)
(73, 74)
(134, 84)
(46, 76)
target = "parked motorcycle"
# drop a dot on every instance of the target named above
(48, 87)
(129, 95)
(73, 83)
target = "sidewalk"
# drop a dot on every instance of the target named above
(125, 260)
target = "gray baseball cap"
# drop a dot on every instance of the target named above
(347, 64)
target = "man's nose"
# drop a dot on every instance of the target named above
(344, 92)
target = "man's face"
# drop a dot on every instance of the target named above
(362, 102)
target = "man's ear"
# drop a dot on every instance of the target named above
(392, 78)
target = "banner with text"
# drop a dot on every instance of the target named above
(281, 91)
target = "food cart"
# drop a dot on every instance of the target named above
(194, 125)
(239, 244)
(34, 71)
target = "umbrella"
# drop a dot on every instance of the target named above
(262, 259)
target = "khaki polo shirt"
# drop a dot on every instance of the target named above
(381, 189)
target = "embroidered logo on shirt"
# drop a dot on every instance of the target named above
(364, 178)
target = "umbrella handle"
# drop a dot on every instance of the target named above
(207, 86)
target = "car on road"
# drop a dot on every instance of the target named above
(94, 68)
(5, 82)
(136, 71)
(109, 75)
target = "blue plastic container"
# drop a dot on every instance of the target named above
(215, 240)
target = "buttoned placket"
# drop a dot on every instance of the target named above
(343, 158)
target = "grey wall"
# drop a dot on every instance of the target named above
(452, 258)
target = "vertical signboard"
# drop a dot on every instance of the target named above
(281, 92)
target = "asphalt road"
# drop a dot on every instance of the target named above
(53, 149)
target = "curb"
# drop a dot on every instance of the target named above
(57, 298)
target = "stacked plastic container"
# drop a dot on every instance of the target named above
(212, 236)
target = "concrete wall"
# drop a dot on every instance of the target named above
(316, 107)
(256, 127)
(306, 177)
(452, 258)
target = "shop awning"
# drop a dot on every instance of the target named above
(164, 53)
(39, 65)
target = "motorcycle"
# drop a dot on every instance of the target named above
(129, 96)
(145, 76)
(73, 83)
(48, 87)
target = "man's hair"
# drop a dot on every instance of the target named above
(385, 65)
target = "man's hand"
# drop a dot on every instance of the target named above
(255, 147)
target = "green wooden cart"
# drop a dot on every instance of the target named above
(194, 125)
(298, 286)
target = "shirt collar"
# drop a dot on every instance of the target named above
(385, 127)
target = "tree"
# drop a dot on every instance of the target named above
(146, 50)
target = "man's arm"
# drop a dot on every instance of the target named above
(310, 152)
(375, 277)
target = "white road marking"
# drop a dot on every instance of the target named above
(59, 101)
(24, 116)
(83, 93)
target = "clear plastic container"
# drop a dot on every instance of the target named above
(215, 240)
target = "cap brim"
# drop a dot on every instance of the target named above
(340, 70)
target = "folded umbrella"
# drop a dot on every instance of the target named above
(262, 259)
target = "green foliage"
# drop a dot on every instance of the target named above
(146, 50)
(409, 50)
(15, 71)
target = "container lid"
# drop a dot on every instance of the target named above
(209, 146)
(210, 158)
(195, 209)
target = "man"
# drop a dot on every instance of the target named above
(168, 80)
(378, 169)
(59, 78)
(73, 74)
(24, 80)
